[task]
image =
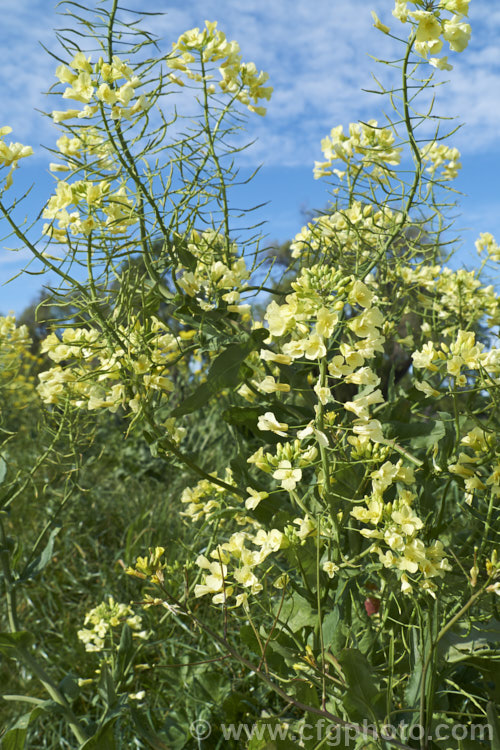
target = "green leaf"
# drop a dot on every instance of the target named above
(125, 654)
(306, 694)
(363, 693)
(42, 560)
(69, 687)
(296, 613)
(420, 434)
(187, 258)
(471, 641)
(145, 730)
(242, 415)
(104, 738)
(9, 642)
(224, 373)
(15, 737)
(331, 623)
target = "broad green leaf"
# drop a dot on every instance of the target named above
(104, 738)
(363, 695)
(145, 730)
(69, 687)
(15, 737)
(125, 654)
(296, 612)
(42, 560)
(422, 434)
(3, 468)
(471, 641)
(187, 258)
(223, 373)
(331, 624)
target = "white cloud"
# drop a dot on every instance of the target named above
(316, 55)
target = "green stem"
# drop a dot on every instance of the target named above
(417, 158)
(429, 656)
(229, 649)
(325, 464)
(320, 618)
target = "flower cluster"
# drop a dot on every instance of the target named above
(478, 472)
(241, 80)
(444, 294)
(98, 208)
(206, 499)
(88, 143)
(397, 525)
(214, 276)
(458, 359)
(442, 156)
(97, 86)
(431, 28)
(487, 242)
(287, 461)
(350, 232)
(103, 619)
(101, 373)
(10, 155)
(301, 330)
(371, 144)
(245, 551)
(16, 361)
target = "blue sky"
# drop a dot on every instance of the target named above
(318, 58)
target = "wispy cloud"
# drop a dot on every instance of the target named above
(317, 55)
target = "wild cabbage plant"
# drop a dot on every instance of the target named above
(345, 560)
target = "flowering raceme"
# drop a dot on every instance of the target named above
(432, 28)
(373, 144)
(103, 618)
(10, 155)
(96, 85)
(241, 80)
(95, 372)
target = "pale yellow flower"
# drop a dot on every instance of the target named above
(365, 325)
(401, 11)
(330, 568)
(59, 116)
(429, 26)
(361, 403)
(255, 498)
(461, 7)
(314, 347)
(81, 89)
(269, 422)
(269, 385)
(326, 322)
(80, 62)
(65, 75)
(441, 63)
(372, 429)
(360, 294)
(287, 475)
(457, 34)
